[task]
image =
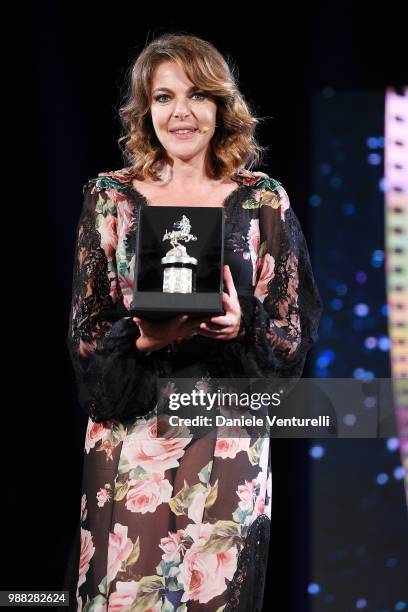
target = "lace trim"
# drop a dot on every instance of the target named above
(91, 266)
(246, 589)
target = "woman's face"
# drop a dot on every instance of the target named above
(176, 103)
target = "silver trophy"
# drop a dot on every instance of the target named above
(179, 269)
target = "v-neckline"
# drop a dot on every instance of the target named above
(144, 200)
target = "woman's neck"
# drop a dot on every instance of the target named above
(179, 179)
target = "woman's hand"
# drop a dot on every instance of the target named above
(225, 327)
(154, 335)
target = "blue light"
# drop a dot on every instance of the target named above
(348, 209)
(325, 168)
(315, 200)
(341, 289)
(391, 562)
(316, 451)
(382, 184)
(380, 141)
(384, 343)
(361, 310)
(325, 358)
(374, 159)
(361, 603)
(370, 402)
(328, 598)
(399, 472)
(313, 588)
(384, 310)
(361, 277)
(392, 444)
(336, 304)
(370, 343)
(349, 419)
(372, 142)
(400, 605)
(322, 373)
(382, 478)
(377, 258)
(362, 374)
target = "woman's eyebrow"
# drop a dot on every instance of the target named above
(167, 89)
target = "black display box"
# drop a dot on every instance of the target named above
(207, 224)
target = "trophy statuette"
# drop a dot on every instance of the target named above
(179, 269)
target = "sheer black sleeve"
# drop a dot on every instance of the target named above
(282, 317)
(114, 379)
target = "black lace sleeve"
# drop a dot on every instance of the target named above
(282, 317)
(114, 379)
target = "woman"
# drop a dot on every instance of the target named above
(169, 523)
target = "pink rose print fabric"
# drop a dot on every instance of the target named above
(172, 523)
(163, 524)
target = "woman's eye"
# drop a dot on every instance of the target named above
(199, 93)
(196, 93)
(157, 98)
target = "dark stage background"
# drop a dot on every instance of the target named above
(70, 63)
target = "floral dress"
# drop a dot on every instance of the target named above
(169, 522)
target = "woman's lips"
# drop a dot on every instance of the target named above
(183, 136)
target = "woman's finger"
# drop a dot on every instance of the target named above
(227, 300)
(141, 323)
(220, 320)
(218, 329)
(229, 282)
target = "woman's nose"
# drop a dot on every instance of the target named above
(181, 109)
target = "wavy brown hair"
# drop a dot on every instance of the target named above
(233, 146)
